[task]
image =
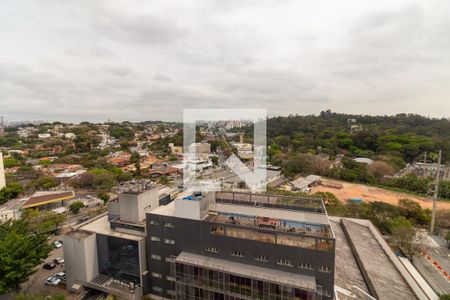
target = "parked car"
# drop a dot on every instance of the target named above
(57, 244)
(57, 231)
(61, 275)
(58, 260)
(49, 265)
(52, 281)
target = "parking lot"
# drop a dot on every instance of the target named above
(36, 282)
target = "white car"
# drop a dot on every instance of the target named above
(52, 281)
(57, 244)
(58, 260)
(60, 275)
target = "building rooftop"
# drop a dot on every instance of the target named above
(307, 204)
(135, 186)
(273, 219)
(79, 234)
(266, 274)
(47, 197)
(364, 260)
(275, 213)
(102, 226)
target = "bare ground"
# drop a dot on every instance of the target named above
(369, 193)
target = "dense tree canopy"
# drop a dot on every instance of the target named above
(21, 250)
(406, 136)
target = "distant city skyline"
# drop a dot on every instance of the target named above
(78, 61)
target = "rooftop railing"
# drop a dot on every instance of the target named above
(315, 205)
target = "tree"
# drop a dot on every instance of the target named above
(11, 162)
(414, 212)
(21, 251)
(404, 236)
(10, 191)
(103, 196)
(75, 207)
(101, 179)
(379, 169)
(46, 182)
(43, 221)
(305, 164)
(444, 297)
(447, 238)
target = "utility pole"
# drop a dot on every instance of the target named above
(425, 159)
(436, 193)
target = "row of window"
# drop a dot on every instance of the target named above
(280, 262)
(158, 239)
(159, 290)
(158, 257)
(159, 275)
(166, 224)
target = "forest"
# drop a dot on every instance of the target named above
(327, 144)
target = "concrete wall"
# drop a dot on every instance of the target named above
(133, 206)
(194, 209)
(80, 258)
(2, 172)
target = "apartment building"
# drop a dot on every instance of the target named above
(240, 246)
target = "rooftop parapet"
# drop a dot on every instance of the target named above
(135, 186)
(307, 204)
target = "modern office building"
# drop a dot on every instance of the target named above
(241, 246)
(109, 253)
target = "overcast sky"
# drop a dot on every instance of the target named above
(146, 60)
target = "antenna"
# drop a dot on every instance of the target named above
(436, 193)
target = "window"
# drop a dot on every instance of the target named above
(155, 238)
(324, 269)
(157, 289)
(170, 278)
(169, 241)
(237, 253)
(156, 275)
(169, 225)
(154, 222)
(284, 262)
(171, 292)
(217, 229)
(155, 256)
(170, 259)
(212, 249)
(305, 266)
(263, 258)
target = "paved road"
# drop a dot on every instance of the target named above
(434, 278)
(437, 249)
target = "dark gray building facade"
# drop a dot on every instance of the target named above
(241, 249)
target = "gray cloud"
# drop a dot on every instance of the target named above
(84, 60)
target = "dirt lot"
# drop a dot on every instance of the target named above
(368, 193)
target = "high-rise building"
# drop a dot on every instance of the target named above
(2, 172)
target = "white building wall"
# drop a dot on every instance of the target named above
(2, 172)
(134, 206)
(80, 258)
